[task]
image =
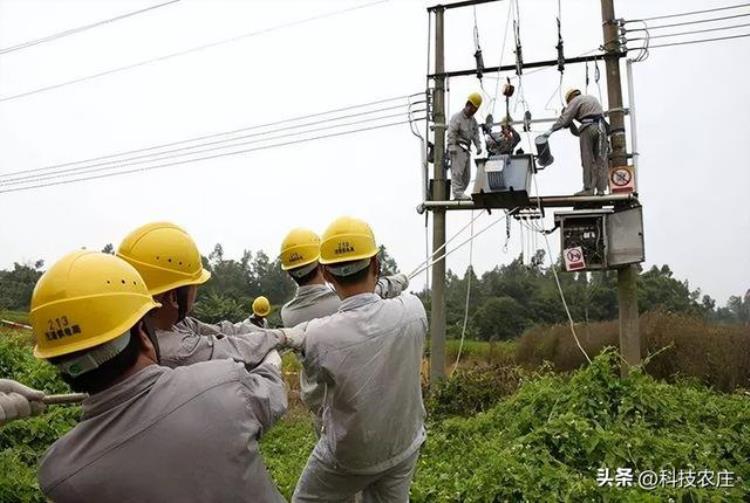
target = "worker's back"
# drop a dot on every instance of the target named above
(162, 435)
(370, 353)
(310, 302)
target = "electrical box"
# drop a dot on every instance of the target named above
(606, 238)
(503, 181)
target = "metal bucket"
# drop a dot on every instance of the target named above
(544, 156)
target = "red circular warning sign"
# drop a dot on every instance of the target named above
(621, 177)
(574, 255)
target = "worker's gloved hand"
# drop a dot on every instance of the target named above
(273, 358)
(18, 401)
(293, 338)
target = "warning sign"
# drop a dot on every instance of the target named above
(621, 179)
(574, 260)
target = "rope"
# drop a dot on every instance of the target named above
(469, 273)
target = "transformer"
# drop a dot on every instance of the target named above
(503, 181)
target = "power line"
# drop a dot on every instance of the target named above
(696, 41)
(215, 156)
(690, 13)
(214, 135)
(685, 23)
(184, 52)
(689, 32)
(161, 156)
(73, 31)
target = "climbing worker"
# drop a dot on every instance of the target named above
(368, 354)
(148, 433)
(462, 131)
(300, 255)
(169, 261)
(18, 401)
(593, 138)
(505, 141)
(261, 310)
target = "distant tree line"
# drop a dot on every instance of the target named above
(503, 301)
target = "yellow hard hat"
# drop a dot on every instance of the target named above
(165, 255)
(475, 99)
(299, 248)
(261, 306)
(569, 94)
(86, 299)
(347, 239)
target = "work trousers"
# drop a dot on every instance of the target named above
(460, 170)
(322, 482)
(594, 158)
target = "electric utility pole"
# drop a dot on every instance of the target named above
(437, 322)
(630, 338)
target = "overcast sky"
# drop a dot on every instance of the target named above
(692, 101)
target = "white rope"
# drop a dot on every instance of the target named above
(469, 274)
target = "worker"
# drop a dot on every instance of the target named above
(299, 256)
(169, 261)
(148, 433)
(261, 310)
(505, 141)
(369, 354)
(592, 135)
(462, 131)
(18, 401)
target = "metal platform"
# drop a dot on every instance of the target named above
(543, 201)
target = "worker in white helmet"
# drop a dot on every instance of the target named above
(148, 433)
(18, 401)
(592, 135)
(369, 354)
(462, 131)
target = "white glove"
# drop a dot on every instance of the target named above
(273, 358)
(293, 338)
(18, 401)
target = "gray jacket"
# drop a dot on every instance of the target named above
(319, 301)
(188, 434)
(580, 107)
(192, 341)
(369, 356)
(463, 130)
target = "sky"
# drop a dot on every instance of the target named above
(692, 104)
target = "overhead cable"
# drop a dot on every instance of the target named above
(187, 161)
(186, 51)
(73, 31)
(692, 32)
(698, 21)
(690, 13)
(687, 42)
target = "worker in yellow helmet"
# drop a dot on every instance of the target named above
(147, 430)
(369, 353)
(170, 263)
(314, 298)
(462, 131)
(261, 309)
(592, 134)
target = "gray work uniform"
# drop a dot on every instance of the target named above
(462, 131)
(500, 144)
(318, 301)
(369, 354)
(192, 341)
(171, 435)
(592, 139)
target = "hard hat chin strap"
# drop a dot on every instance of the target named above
(181, 295)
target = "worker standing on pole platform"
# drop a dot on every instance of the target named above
(462, 131)
(504, 142)
(261, 310)
(148, 433)
(593, 138)
(300, 255)
(369, 355)
(18, 401)
(170, 264)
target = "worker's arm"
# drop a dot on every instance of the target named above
(391, 286)
(567, 116)
(184, 347)
(264, 391)
(475, 136)
(574, 129)
(18, 401)
(222, 328)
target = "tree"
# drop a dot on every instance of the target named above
(388, 265)
(108, 248)
(16, 286)
(500, 318)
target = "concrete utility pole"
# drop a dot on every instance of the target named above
(437, 323)
(630, 338)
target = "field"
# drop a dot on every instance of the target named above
(499, 430)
